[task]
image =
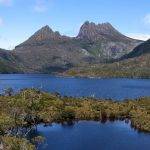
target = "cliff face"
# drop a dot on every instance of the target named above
(47, 51)
(104, 41)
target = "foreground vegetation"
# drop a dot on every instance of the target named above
(30, 107)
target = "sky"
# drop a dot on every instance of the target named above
(19, 19)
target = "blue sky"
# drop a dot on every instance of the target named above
(19, 19)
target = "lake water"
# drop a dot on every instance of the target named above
(86, 135)
(117, 89)
(91, 135)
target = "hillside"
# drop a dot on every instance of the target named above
(8, 62)
(50, 52)
(135, 64)
(142, 49)
(132, 68)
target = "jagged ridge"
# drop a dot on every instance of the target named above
(95, 32)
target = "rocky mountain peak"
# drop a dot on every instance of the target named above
(94, 32)
(45, 29)
(100, 25)
(45, 33)
(42, 35)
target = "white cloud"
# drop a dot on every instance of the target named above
(147, 19)
(139, 36)
(6, 2)
(40, 6)
(1, 21)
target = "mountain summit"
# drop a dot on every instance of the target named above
(105, 31)
(47, 51)
(43, 35)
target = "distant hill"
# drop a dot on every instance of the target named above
(140, 50)
(8, 63)
(50, 52)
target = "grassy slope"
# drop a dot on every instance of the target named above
(134, 67)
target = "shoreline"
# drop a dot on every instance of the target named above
(101, 77)
(77, 76)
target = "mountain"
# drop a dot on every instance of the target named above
(47, 51)
(104, 41)
(140, 50)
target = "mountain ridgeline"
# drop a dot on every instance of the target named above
(47, 51)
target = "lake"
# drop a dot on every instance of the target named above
(88, 135)
(118, 89)
(91, 135)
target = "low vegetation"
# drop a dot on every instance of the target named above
(132, 68)
(30, 107)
